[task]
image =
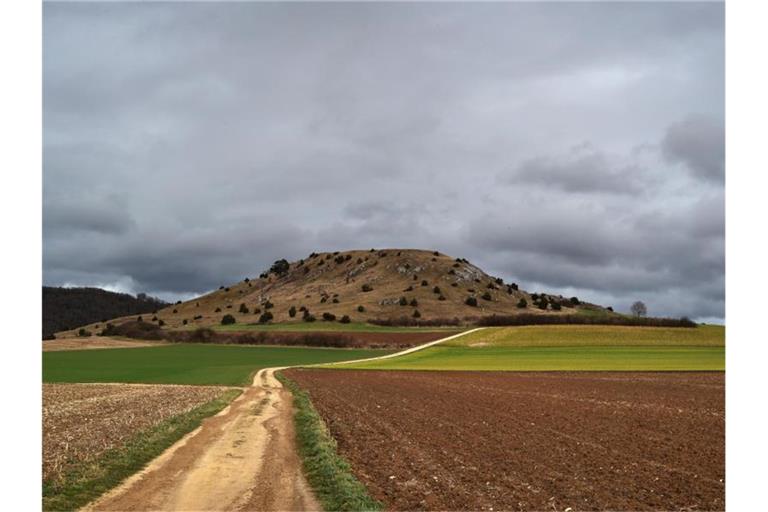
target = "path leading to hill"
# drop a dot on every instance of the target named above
(244, 458)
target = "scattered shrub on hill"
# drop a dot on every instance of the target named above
(441, 297)
(499, 281)
(268, 305)
(424, 283)
(543, 304)
(361, 309)
(452, 272)
(403, 301)
(532, 319)
(416, 313)
(313, 255)
(292, 311)
(335, 300)
(225, 289)
(83, 333)
(454, 284)
(492, 286)
(266, 317)
(609, 308)
(522, 303)
(154, 318)
(160, 323)
(347, 257)
(323, 299)
(414, 302)
(345, 319)
(367, 287)
(436, 253)
(415, 278)
(139, 319)
(327, 256)
(280, 267)
(244, 309)
(184, 322)
(409, 289)
(556, 306)
(229, 306)
(535, 297)
(217, 310)
(329, 317)
(471, 290)
(227, 320)
(511, 287)
(197, 317)
(575, 301)
(246, 280)
(256, 311)
(221, 287)
(309, 318)
(264, 275)
(322, 262)
(487, 296)
(303, 308)
(175, 311)
(436, 289)
(471, 301)
(339, 259)
(359, 261)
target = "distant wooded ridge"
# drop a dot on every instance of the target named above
(67, 308)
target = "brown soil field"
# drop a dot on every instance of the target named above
(93, 342)
(556, 441)
(82, 421)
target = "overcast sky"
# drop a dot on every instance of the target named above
(572, 148)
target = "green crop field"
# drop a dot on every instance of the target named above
(592, 335)
(570, 347)
(320, 326)
(184, 364)
(555, 358)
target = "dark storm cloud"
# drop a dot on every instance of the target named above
(699, 143)
(569, 146)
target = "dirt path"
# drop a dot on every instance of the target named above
(244, 458)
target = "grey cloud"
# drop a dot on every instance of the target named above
(699, 143)
(187, 145)
(583, 169)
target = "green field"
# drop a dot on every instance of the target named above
(184, 364)
(592, 336)
(570, 347)
(555, 358)
(320, 326)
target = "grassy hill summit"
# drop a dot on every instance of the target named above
(362, 285)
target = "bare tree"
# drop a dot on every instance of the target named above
(638, 309)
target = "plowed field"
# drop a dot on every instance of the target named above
(82, 421)
(529, 441)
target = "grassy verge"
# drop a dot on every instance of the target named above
(85, 482)
(328, 473)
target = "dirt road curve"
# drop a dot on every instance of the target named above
(244, 458)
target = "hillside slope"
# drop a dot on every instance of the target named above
(340, 283)
(68, 308)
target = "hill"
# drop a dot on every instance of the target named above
(68, 308)
(365, 285)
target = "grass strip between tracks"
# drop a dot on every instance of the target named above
(328, 473)
(85, 482)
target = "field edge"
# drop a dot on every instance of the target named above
(327, 472)
(86, 482)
